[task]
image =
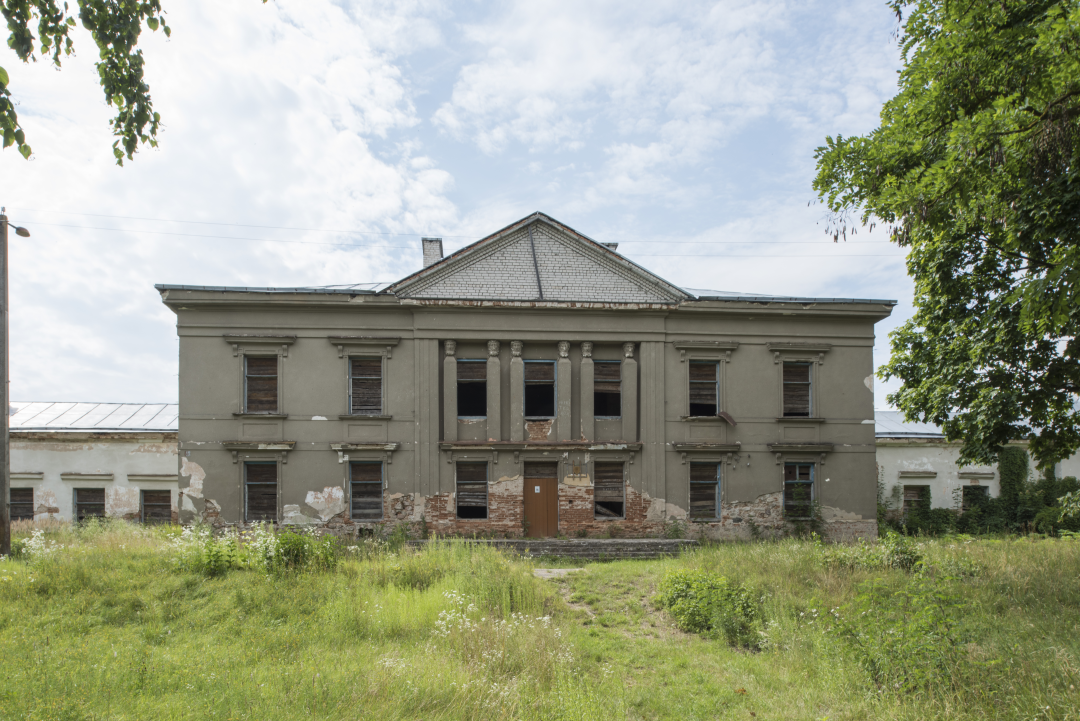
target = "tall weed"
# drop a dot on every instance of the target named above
(713, 606)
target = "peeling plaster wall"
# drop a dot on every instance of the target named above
(39, 459)
(896, 457)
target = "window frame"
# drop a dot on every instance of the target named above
(382, 490)
(12, 504)
(459, 382)
(597, 364)
(245, 487)
(623, 467)
(554, 390)
(487, 491)
(717, 483)
(142, 505)
(905, 509)
(812, 483)
(360, 355)
(717, 382)
(75, 506)
(244, 375)
(810, 387)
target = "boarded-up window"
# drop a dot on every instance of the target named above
(22, 504)
(472, 494)
(367, 491)
(970, 497)
(261, 384)
(157, 507)
(609, 490)
(365, 386)
(704, 388)
(704, 490)
(540, 389)
(912, 496)
(797, 389)
(607, 389)
(798, 490)
(260, 491)
(472, 388)
(89, 503)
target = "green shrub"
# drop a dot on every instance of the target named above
(713, 606)
(891, 551)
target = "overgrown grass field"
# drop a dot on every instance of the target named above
(124, 622)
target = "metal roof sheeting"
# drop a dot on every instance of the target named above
(39, 416)
(891, 424)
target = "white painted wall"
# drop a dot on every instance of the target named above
(54, 464)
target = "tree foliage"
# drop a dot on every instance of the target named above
(976, 169)
(115, 26)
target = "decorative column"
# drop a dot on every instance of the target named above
(494, 388)
(517, 393)
(563, 377)
(588, 423)
(450, 392)
(629, 394)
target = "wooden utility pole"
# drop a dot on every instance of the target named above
(5, 401)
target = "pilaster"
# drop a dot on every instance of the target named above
(588, 423)
(494, 392)
(629, 394)
(517, 393)
(563, 378)
(450, 413)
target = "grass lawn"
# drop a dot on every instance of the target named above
(119, 623)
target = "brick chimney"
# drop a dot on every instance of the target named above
(432, 250)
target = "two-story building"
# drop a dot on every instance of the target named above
(533, 383)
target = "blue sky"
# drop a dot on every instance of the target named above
(683, 130)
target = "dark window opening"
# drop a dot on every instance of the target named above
(22, 504)
(367, 491)
(89, 503)
(704, 388)
(798, 490)
(471, 389)
(704, 490)
(261, 384)
(607, 389)
(157, 507)
(913, 495)
(540, 389)
(797, 390)
(609, 490)
(472, 499)
(973, 497)
(365, 386)
(260, 491)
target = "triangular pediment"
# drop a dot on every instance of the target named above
(538, 259)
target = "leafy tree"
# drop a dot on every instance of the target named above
(976, 169)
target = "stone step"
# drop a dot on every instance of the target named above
(597, 549)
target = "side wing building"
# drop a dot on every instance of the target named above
(534, 383)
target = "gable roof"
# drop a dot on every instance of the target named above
(891, 424)
(538, 259)
(93, 416)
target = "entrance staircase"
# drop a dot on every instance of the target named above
(589, 549)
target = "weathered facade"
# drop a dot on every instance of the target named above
(74, 460)
(534, 383)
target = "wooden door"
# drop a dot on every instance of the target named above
(542, 499)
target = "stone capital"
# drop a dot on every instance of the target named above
(450, 346)
(586, 349)
(493, 348)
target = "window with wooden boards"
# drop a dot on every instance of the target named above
(22, 504)
(704, 491)
(797, 390)
(607, 389)
(366, 480)
(260, 491)
(89, 503)
(609, 490)
(157, 507)
(704, 388)
(260, 384)
(472, 490)
(365, 387)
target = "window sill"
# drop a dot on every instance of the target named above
(260, 415)
(459, 518)
(539, 418)
(472, 418)
(609, 518)
(607, 418)
(359, 416)
(704, 520)
(800, 419)
(701, 419)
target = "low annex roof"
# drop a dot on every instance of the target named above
(128, 417)
(891, 424)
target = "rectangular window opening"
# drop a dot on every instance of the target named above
(609, 490)
(365, 386)
(539, 389)
(472, 389)
(157, 507)
(260, 384)
(366, 480)
(22, 504)
(798, 490)
(973, 496)
(912, 496)
(704, 388)
(89, 503)
(797, 390)
(704, 491)
(472, 500)
(260, 491)
(607, 389)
